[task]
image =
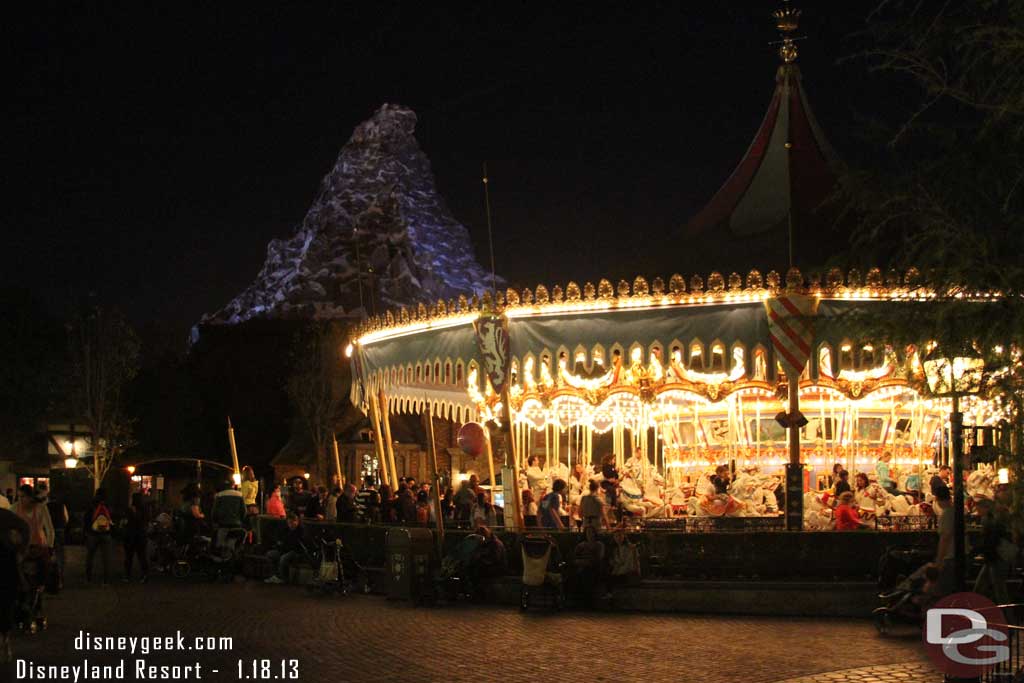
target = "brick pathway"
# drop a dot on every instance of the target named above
(893, 673)
(367, 638)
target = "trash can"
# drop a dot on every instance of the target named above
(409, 552)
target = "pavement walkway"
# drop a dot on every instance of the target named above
(368, 638)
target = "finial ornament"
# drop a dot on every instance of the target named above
(787, 20)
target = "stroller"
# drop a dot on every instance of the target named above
(28, 608)
(222, 559)
(540, 556)
(330, 578)
(906, 581)
(453, 580)
(163, 543)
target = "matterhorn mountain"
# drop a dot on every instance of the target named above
(377, 213)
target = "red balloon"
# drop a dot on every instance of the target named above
(472, 438)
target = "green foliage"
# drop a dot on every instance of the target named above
(946, 194)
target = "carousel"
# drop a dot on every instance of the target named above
(673, 381)
(678, 383)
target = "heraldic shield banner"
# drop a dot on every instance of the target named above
(493, 343)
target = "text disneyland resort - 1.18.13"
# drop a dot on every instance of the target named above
(107, 665)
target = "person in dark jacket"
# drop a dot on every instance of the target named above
(405, 505)
(59, 517)
(136, 523)
(346, 505)
(228, 510)
(289, 549)
(298, 501)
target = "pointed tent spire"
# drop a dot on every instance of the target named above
(786, 173)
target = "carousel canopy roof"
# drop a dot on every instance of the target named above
(788, 166)
(423, 357)
(787, 173)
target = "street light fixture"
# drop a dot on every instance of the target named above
(954, 376)
(70, 462)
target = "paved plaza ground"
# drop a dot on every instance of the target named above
(368, 638)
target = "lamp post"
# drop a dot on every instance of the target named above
(955, 376)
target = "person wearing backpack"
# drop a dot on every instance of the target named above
(97, 525)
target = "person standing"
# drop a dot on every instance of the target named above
(940, 480)
(40, 530)
(59, 518)
(250, 488)
(946, 553)
(346, 508)
(137, 521)
(551, 507)
(537, 478)
(883, 472)
(363, 497)
(330, 506)
(97, 524)
(998, 551)
(592, 511)
(275, 506)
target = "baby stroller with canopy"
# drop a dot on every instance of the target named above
(543, 572)
(330, 577)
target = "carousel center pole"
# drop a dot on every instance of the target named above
(794, 469)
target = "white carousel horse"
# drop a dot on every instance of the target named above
(981, 483)
(713, 504)
(817, 517)
(756, 492)
(682, 500)
(631, 496)
(873, 500)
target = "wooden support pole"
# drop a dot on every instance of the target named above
(385, 413)
(508, 432)
(428, 417)
(378, 441)
(337, 459)
(490, 460)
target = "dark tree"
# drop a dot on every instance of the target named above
(103, 361)
(317, 386)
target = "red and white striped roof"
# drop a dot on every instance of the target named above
(788, 166)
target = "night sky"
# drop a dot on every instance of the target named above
(154, 152)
